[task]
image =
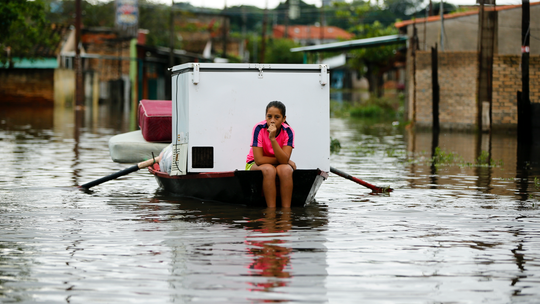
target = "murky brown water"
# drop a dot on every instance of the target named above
(457, 232)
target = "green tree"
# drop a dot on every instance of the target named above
(156, 19)
(244, 16)
(98, 14)
(349, 15)
(24, 30)
(447, 9)
(374, 61)
(401, 9)
(309, 13)
(61, 12)
(152, 16)
(278, 51)
(93, 13)
(387, 12)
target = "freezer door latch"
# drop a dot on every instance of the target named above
(260, 72)
(196, 74)
(323, 76)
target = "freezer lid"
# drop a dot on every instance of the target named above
(267, 67)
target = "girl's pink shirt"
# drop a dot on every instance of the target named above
(260, 138)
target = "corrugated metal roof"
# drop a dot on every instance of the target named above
(353, 44)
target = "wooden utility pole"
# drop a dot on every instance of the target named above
(321, 31)
(244, 21)
(481, 79)
(441, 11)
(78, 61)
(286, 18)
(487, 23)
(243, 45)
(435, 87)
(525, 37)
(322, 24)
(171, 36)
(425, 28)
(435, 109)
(263, 35)
(224, 31)
(524, 103)
(414, 48)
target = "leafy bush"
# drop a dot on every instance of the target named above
(384, 108)
(367, 111)
(335, 145)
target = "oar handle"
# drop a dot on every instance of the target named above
(359, 181)
(127, 171)
(110, 177)
(149, 162)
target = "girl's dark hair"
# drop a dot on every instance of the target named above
(276, 104)
(280, 106)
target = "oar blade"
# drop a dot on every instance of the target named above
(373, 188)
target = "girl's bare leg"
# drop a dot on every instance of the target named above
(285, 173)
(269, 183)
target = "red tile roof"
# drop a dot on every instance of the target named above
(311, 32)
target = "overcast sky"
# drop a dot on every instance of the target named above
(273, 3)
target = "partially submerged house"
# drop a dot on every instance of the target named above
(116, 67)
(479, 67)
(31, 81)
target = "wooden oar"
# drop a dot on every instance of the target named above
(127, 171)
(373, 188)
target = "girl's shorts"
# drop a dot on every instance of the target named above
(249, 165)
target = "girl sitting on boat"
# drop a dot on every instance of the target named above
(271, 147)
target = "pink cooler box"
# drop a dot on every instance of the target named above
(155, 120)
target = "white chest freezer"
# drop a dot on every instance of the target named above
(216, 106)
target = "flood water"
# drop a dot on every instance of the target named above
(457, 230)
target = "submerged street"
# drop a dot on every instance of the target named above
(462, 225)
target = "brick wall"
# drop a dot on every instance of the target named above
(457, 84)
(457, 72)
(27, 86)
(106, 43)
(458, 81)
(506, 83)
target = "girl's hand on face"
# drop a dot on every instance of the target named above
(272, 130)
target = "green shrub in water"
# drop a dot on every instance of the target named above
(367, 111)
(370, 108)
(442, 157)
(339, 109)
(335, 145)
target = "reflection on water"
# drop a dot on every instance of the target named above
(489, 164)
(462, 225)
(271, 256)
